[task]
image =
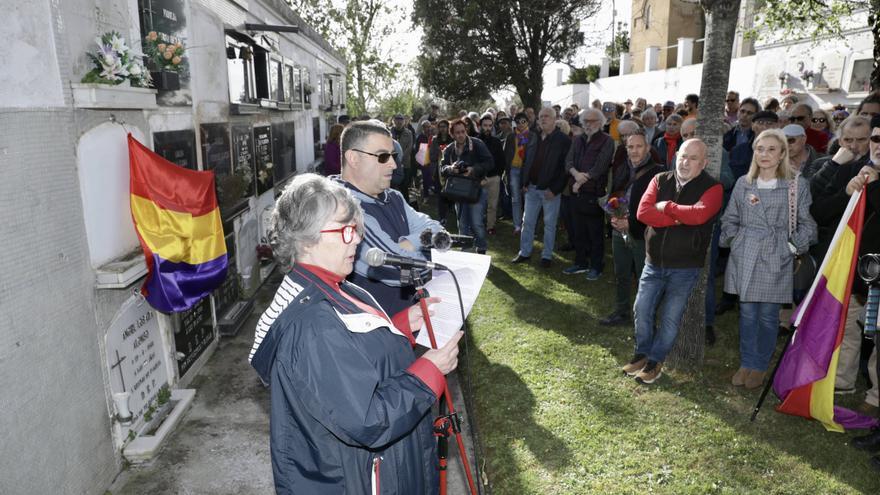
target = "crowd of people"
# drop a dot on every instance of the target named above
(349, 393)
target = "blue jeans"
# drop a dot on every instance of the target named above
(668, 288)
(471, 219)
(758, 326)
(535, 202)
(515, 179)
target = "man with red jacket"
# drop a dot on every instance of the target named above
(679, 208)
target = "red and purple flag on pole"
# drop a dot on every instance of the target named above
(178, 223)
(806, 375)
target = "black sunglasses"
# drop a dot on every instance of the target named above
(380, 157)
(799, 118)
(819, 120)
(875, 138)
(731, 100)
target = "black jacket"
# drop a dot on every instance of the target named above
(497, 151)
(553, 176)
(637, 182)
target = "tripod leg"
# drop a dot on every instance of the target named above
(772, 375)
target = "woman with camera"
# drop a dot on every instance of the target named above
(467, 160)
(350, 402)
(766, 224)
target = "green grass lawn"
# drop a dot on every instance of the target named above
(556, 415)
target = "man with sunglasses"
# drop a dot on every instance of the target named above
(800, 154)
(742, 130)
(731, 108)
(802, 115)
(391, 224)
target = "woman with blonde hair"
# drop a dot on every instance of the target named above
(767, 222)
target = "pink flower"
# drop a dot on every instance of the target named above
(175, 60)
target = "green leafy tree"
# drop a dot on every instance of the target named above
(583, 75)
(470, 49)
(355, 28)
(792, 19)
(619, 45)
(721, 16)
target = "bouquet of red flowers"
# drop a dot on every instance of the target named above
(618, 207)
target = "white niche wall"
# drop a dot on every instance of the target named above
(102, 165)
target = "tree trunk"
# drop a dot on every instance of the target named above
(721, 17)
(874, 22)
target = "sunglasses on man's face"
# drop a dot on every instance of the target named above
(875, 139)
(380, 157)
(797, 118)
(819, 120)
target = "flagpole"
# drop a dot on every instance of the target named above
(773, 374)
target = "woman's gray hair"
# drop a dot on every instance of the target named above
(302, 210)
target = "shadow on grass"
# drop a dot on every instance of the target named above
(507, 403)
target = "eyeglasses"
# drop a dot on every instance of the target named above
(346, 231)
(819, 120)
(875, 139)
(797, 118)
(380, 157)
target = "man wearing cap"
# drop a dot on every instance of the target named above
(665, 112)
(800, 154)
(609, 110)
(742, 131)
(627, 110)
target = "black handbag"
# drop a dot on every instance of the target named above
(461, 188)
(804, 265)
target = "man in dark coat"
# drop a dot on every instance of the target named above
(628, 183)
(543, 179)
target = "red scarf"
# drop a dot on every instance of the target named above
(671, 145)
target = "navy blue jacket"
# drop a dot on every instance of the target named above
(346, 398)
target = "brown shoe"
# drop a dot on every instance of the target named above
(739, 378)
(633, 367)
(650, 373)
(754, 379)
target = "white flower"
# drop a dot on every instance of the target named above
(135, 70)
(118, 44)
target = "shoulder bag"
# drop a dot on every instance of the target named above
(804, 265)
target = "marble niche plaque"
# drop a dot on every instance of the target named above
(135, 356)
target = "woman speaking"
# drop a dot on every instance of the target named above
(350, 402)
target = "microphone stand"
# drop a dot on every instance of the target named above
(444, 425)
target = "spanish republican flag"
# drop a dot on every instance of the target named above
(805, 378)
(178, 223)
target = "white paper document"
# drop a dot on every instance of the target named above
(471, 270)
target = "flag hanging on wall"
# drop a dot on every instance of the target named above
(806, 375)
(178, 223)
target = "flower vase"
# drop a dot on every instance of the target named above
(165, 80)
(120, 400)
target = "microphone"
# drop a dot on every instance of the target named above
(377, 257)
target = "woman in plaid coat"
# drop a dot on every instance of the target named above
(760, 270)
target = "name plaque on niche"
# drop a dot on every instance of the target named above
(135, 357)
(193, 334)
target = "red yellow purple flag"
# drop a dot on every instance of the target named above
(177, 220)
(806, 375)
